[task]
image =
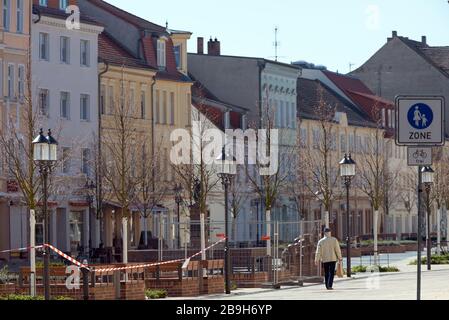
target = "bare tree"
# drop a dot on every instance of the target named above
(319, 164)
(266, 178)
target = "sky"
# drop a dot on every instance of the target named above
(325, 32)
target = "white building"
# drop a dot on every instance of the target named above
(65, 87)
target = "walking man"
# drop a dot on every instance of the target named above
(328, 253)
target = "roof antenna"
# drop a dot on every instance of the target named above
(166, 24)
(276, 43)
(350, 66)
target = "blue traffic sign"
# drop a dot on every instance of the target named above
(420, 116)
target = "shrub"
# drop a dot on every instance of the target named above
(441, 259)
(234, 286)
(19, 297)
(62, 298)
(364, 269)
(156, 294)
(4, 275)
(40, 264)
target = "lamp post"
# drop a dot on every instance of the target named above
(226, 172)
(45, 151)
(178, 199)
(427, 180)
(90, 187)
(347, 172)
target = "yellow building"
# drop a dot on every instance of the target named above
(14, 60)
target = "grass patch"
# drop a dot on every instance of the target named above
(21, 297)
(381, 269)
(156, 294)
(436, 260)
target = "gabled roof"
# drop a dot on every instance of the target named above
(436, 56)
(113, 52)
(130, 18)
(213, 108)
(309, 97)
(60, 14)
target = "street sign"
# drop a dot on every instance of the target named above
(418, 156)
(420, 121)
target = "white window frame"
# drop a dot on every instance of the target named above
(63, 4)
(67, 94)
(42, 37)
(6, 15)
(21, 81)
(46, 111)
(19, 16)
(11, 80)
(85, 46)
(67, 49)
(161, 53)
(85, 113)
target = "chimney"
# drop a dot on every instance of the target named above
(424, 40)
(213, 47)
(200, 45)
(395, 34)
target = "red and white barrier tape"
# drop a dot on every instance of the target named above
(81, 265)
(21, 249)
(157, 263)
(62, 254)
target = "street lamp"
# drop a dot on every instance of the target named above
(178, 199)
(347, 172)
(227, 171)
(45, 155)
(90, 187)
(427, 180)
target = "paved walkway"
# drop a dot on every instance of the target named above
(387, 286)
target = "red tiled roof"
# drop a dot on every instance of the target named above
(345, 82)
(112, 52)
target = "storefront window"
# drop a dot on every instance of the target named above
(76, 231)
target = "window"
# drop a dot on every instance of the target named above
(178, 50)
(282, 114)
(85, 107)
(43, 3)
(11, 81)
(384, 120)
(172, 108)
(21, 83)
(85, 54)
(6, 19)
(65, 105)
(161, 53)
(303, 138)
(244, 122)
(189, 109)
(44, 44)
(351, 143)
(343, 144)
(85, 158)
(65, 50)
(63, 4)
(111, 99)
(65, 160)
(142, 105)
(156, 106)
(316, 138)
(44, 102)
(227, 120)
(164, 108)
(19, 16)
(102, 99)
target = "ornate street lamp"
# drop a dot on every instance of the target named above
(90, 187)
(227, 171)
(427, 180)
(178, 199)
(45, 155)
(347, 172)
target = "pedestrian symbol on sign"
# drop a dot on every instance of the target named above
(420, 116)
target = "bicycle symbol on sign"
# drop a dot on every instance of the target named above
(420, 154)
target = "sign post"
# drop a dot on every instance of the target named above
(420, 126)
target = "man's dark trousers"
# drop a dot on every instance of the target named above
(329, 273)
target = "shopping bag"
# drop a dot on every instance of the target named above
(339, 271)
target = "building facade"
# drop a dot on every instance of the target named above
(14, 63)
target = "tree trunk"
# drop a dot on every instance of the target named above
(203, 236)
(145, 230)
(32, 253)
(439, 230)
(234, 230)
(326, 219)
(125, 239)
(375, 232)
(268, 219)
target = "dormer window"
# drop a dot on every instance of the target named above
(178, 55)
(227, 120)
(161, 53)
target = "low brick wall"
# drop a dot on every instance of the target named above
(213, 285)
(7, 289)
(175, 287)
(250, 280)
(132, 290)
